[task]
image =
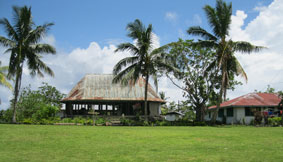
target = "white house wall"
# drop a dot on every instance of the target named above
(171, 117)
(238, 115)
(154, 109)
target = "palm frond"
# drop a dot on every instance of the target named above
(43, 48)
(125, 75)
(9, 29)
(224, 12)
(205, 44)
(35, 35)
(239, 69)
(129, 47)
(213, 20)
(3, 76)
(198, 31)
(7, 42)
(242, 46)
(124, 62)
(136, 29)
(37, 65)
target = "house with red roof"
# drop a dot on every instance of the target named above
(241, 109)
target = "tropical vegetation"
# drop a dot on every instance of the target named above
(36, 105)
(219, 18)
(3, 77)
(23, 43)
(145, 61)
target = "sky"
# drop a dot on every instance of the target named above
(87, 32)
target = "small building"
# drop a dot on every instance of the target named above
(96, 94)
(241, 109)
(173, 116)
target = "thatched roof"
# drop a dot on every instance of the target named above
(99, 87)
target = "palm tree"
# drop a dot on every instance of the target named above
(219, 19)
(145, 61)
(23, 45)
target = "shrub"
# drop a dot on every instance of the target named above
(79, 120)
(6, 116)
(276, 121)
(28, 121)
(164, 123)
(89, 122)
(67, 120)
(146, 123)
(127, 122)
(45, 112)
(100, 121)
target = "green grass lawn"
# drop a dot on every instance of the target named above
(88, 143)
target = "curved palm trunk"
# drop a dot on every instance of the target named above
(145, 98)
(16, 93)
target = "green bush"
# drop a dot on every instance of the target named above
(276, 121)
(89, 122)
(127, 122)
(164, 123)
(79, 120)
(45, 112)
(146, 123)
(67, 120)
(100, 121)
(28, 121)
(6, 116)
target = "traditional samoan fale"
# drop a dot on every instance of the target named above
(240, 109)
(95, 93)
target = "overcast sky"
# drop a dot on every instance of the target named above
(86, 34)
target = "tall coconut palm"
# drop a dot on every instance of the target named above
(23, 43)
(145, 61)
(219, 18)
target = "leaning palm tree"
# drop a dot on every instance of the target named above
(23, 43)
(145, 61)
(219, 19)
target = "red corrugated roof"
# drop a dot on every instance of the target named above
(253, 99)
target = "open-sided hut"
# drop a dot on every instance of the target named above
(95, 93)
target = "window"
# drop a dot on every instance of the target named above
(248, 111)
(209, 114)
(230, 112)
(221, 113)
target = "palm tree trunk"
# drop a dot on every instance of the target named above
(213, 119)
(145, 98)
(16, 93)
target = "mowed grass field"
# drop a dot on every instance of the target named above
(88, 143)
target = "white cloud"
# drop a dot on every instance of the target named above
(264, 68)
(171, 16)
(69, 68)
(259, 7)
